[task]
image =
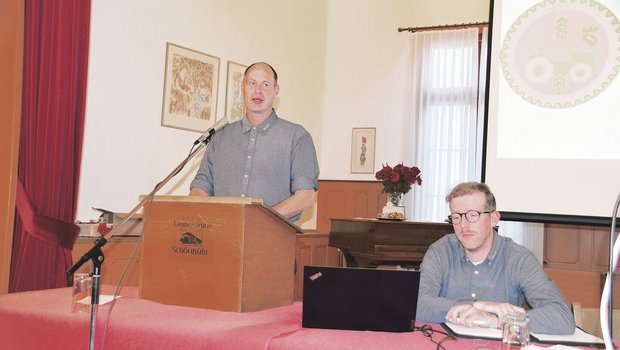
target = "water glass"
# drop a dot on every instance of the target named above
(515, 332)
(82, 291)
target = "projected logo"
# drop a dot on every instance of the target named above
(562, 53)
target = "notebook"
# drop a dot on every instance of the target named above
(359, 298)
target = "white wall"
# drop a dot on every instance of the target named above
(126, 151)
(342, 64)
(367, 78)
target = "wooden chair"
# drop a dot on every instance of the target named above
(588, 319)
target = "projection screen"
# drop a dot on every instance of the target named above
(552, 146)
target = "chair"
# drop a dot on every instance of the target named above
(588, 319)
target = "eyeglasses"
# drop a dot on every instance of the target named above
(471, 216)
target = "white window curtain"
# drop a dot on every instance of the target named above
(447, 104)
(444, 107)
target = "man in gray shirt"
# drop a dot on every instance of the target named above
(474, 277)
(261, 155)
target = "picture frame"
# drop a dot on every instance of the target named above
(190, 89)
(235, 107)
(363, 150)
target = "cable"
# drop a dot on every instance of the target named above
(427, 330)
(606, 308)
(148, 199)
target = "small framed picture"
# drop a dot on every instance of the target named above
(235, 108)
(190, 89)
(363, 151)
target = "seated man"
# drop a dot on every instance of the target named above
(474, 277)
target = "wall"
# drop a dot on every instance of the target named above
(367, 74)
(126, 151)
(342, 64)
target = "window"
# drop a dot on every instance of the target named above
(445, 95)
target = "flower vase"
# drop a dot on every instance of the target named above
(395, 198)
(394, 210)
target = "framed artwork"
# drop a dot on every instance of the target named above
(235, 108)
(190, 89)
(363, 151)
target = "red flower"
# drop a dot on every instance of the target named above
(395, 176)
(398, 179)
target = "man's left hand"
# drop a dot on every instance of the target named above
(499, 309)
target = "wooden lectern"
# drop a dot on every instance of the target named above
(222, 253)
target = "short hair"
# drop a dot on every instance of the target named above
(275, 75)
(471, 187)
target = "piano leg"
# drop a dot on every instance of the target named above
(348, 259)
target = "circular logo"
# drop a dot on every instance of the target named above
(562, 53)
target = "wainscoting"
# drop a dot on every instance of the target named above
(336, 199)
(577, 259)
(348, 199)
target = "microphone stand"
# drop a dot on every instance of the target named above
(95, 254)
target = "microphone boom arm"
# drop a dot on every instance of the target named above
(117, 227)
(96, 254)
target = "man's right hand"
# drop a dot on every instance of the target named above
(467, 315)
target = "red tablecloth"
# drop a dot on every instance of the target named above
(43, 320)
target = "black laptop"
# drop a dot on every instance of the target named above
(359, 298)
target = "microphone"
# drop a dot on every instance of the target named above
(207, 135)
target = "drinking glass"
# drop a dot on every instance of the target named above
(82, 291)
(515, 332)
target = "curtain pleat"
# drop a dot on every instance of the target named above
(444, 100)
(56, 40)
(448, 103)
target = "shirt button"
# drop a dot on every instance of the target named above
(246, 175)
(249, 157)
(252, 139)
(242, 195)
(476, 272)
(473, 295)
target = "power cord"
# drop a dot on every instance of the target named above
(428, 331)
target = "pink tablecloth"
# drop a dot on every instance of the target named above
(43, 320)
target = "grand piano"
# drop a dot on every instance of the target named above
(374, 242)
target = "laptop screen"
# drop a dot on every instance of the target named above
(359, 298)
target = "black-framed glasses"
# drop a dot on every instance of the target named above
(471, 216)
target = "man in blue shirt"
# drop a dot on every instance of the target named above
(262, 155)
(474, 277)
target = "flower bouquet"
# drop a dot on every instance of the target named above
(397, 181)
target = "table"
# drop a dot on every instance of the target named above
(43, 320)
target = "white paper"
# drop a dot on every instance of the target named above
(493, 333)
(579, 336)
(103, 299)
(481, 332)
(553, 347)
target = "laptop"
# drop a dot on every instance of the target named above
(359, 298)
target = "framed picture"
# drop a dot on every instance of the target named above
(190, 89)
(363, 151)
(235, 108)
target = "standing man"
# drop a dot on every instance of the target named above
(474, 277)
(261, 155)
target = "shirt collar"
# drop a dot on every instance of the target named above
(262, 127)
(492, 253)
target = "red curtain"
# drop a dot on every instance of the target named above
(56, 38)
